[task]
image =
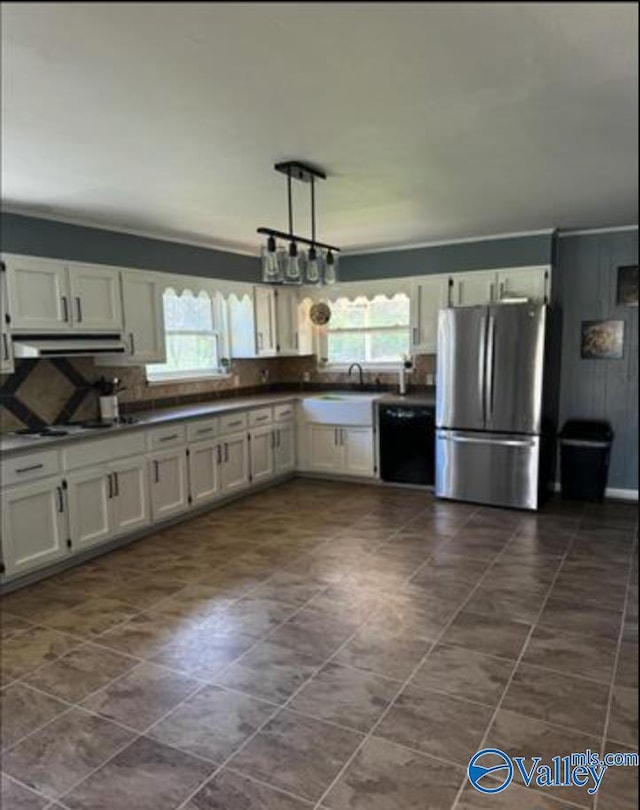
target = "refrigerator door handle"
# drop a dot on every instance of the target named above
(487, 440)
(482, 360)
(490, 367)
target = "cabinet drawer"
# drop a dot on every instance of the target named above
(232, 422)
(170, 436)
(283, 413)
(202, 429)
(29, 467)
(261, 416)
(101, 451)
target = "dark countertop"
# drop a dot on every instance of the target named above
(10, 444)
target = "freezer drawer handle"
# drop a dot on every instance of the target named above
(583, 443)
(501, 442)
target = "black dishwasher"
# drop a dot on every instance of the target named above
(407, 444)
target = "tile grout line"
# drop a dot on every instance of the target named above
(283, 706)
(534, 624)
(405, 683)
(612, 687)
(139, 734)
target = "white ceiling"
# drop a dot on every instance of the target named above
(434, 120)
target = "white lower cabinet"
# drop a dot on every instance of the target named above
(129, 496)
(168, 483)
(284, 452)
(262, 446)
(34, 526)
(234, 467)
(358, 450)
(89, 495)
(204, 472)
(346, 450)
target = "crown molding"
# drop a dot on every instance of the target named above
(588, 231)
(443, 242)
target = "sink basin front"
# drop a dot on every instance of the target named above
(340, 409)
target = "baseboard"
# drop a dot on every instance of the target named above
(614, 493)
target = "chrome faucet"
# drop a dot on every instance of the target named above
(360, 373)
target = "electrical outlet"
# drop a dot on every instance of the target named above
(236, 381)
(430, 378)
(306, 376)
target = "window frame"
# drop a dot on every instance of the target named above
(324, 363)
(219, 334)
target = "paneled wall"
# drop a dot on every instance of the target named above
(586, 276)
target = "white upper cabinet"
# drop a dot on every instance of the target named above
(428, 296)
(6, 347)
(38, 294)
(472, 289)
(293, 331)
(143, 320)
(48, 295)
(265, 315)
(525, 282)
(493, 286)
(95, 298)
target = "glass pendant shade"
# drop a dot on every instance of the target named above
(312, 274)
(292, 274)
(271, 264)
(330, 268)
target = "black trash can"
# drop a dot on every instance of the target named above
(585, 447)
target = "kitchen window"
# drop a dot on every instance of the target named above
(373, 332)
(192, 335)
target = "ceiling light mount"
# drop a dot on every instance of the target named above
(292, 266)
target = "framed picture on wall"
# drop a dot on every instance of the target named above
(627, 288)
(602, 340)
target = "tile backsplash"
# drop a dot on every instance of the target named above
(44, 392)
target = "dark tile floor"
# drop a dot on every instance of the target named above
(323, 645)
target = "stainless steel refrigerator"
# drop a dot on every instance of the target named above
(489, 399)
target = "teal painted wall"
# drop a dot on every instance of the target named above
(57, 240)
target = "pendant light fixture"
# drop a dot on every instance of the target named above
(294, 265)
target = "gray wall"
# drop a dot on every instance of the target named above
(57, 240)
(515, 251)
(585, 276)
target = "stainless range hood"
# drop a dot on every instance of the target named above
(33, 346)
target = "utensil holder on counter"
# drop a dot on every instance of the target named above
(109, 409)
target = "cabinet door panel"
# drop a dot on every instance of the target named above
(359, 451)
(428, 297)
(130, 496)
(38, 295)
(529, 282)
(473, 289)
(168, 484)
(326, 454)
(204, 472)
(287, 327)
(285, 449)
(235, 462)
(89, 495)
(261, 453)
(95, 294)
(264, 303)
(34, 526)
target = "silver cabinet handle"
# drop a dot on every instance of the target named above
(30, 469)
(204, 430)
(168, 438)
(342, 437)
(79, 309)
(110, 491)
(491, 351)
(132, 342)
(65, 309)
(156, 466)
(482, 362)
(260, 342)
(262, 418)
(219, 455)
(273, 439)
(60, 495)
(116, 485)
(335, 436)
(5, 346)
(235, 424)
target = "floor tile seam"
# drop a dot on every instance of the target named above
(612, 686)
(412, 674)
(507, 686)
(22, 784)
(284, 706)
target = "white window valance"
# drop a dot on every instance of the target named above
(352, 290)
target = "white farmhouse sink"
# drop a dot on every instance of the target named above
(339, 408)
